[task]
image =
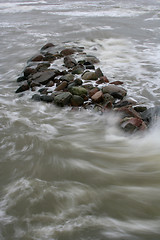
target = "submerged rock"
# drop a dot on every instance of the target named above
(63, 99)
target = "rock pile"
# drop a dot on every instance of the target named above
(76, 82)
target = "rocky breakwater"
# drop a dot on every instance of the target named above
(67, 76)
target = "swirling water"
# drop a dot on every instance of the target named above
(74, 175)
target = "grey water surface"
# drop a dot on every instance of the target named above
(74, 175)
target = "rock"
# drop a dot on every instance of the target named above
(80, 91)
(63, 99)
(23, 87)
(49, 57)
(133, 124)
(43, 66)
(50, 84)
(99, 73)
(76, 101)
(43, 91)
(69, 62)
(48, 45)
(128, 112)
(108, 98)
(115, 91)
(21, 79)
(93, 91)
(62, 86)
(88, 86)
(124, 103)
(34, 84)
(97, 97)
(92, 59)
(36, 97)
(47, 98)
(78, 69)
(29, 71)
(68, 77)
(140, 108)
(44, 77)
(117, 83)
(37, 58)
(67, 51)
(102, 79)
(89, 76)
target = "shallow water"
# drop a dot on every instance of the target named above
(74, 175)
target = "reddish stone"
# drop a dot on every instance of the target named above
(132, 124)
(61, 86)
(93, 91)
(117, 83)
(48, 45)
(128, 111)
(103, 79)
(97, 97)
(67, 51)
(37, 58)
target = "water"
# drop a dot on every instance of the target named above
(74, 175)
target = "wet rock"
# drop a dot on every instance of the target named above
(76, 101)
(99, 73)
(50, 84)
(43, 66)
(92, 59)
(44, 77)
(47, 98)
(150, 115)
(36, 97)
(89, 76)
(21, 79)
(88, 86)
(108, 98)
(80, 91)
(43, 90)
(68, 77)
(62, 86)
(128, 112)
(79, 69)
(23, 87)
(34, 84)
(115, 91)
(46, 46)
(49, 57)
(93, 91)
(67, 51)
(103, 79)
(37, 58)
(69, 62)
(63, 99)
(124, 103)
(133, 124)
(29, 71)
(140, 109)
(97, 97)
(117, 82)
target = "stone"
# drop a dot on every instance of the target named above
(47, 98)
(67, 51)
(23, 87)
(61, 86)
(140, 108)
(150, 115)
(89, 76)
(50, 84)
(97, 97)
(49, 57)
(128, 111)
(68, 77)
(69, 62)
(93, 91)
(44, 77)
(124, 103)
(133, 124)
(36, 97)
(117, 82)
(80, 91)
(115, 91)
(92, 59)
(108, 98)
(63, 99)
(88, 86)
(48, 45)
(29, 71)
(37, 58)
(43, 66)
(102, 79)
(21, 79)
(78, 69)
(99, 73)
(76, 101)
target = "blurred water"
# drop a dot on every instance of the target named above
(74, 175)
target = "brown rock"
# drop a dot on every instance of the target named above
(93, 91)
(62, 86)
(44, 77)
(48, 45)
(117, 83)
(23, 87)
(133, 124)
(102, 79)
(115, 91)
(37, 58)
(67, 51)
(89, 76)
(69, 62)
(97, 97)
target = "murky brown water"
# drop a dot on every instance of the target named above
(74, 175)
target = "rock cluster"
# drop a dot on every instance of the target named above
(78, 83)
